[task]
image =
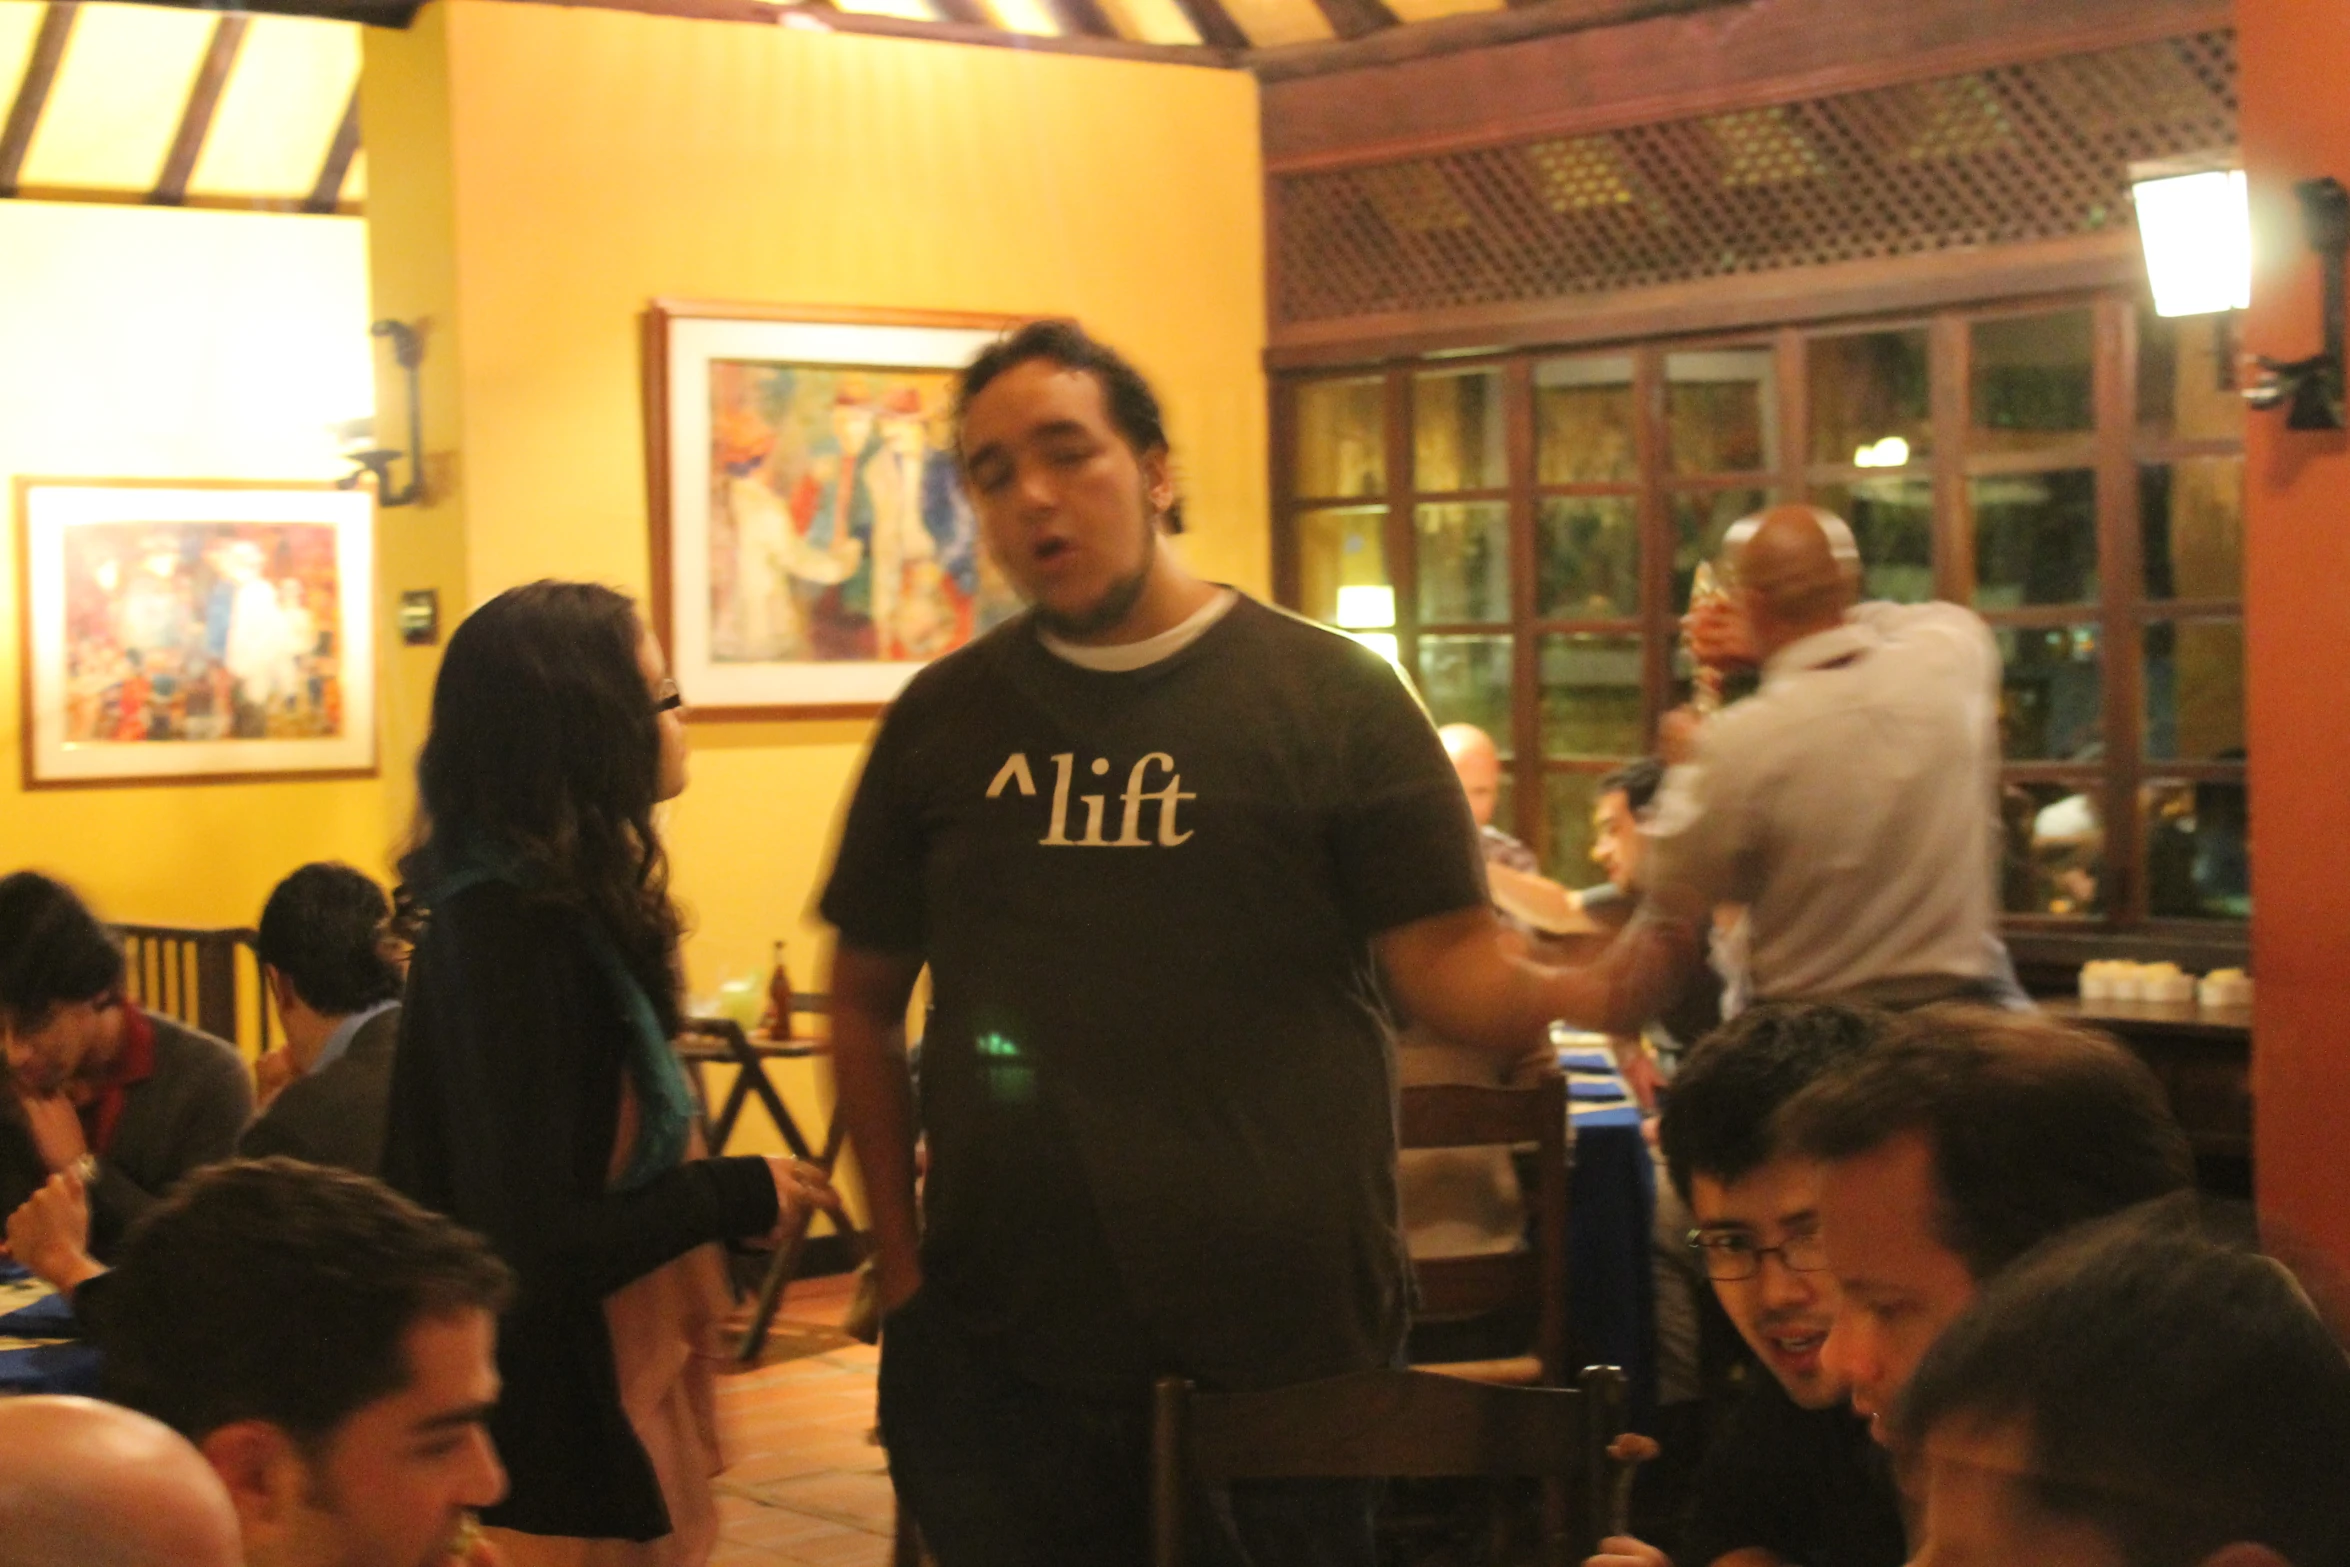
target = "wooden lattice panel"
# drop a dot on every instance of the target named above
(2023, 152)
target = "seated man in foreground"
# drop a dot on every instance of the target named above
(327, 1345)
(325, 952)
(1792, 1475)
(1951, 1149)
(122, 1101)
(88, 1484)
(2134, 1396)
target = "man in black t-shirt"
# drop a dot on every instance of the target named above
(1792, 1473)
(1163, 851)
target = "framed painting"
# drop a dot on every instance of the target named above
(193, 631)
(812, 543)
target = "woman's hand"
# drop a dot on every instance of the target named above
(801, 1191)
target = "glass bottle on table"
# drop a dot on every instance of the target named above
(779, 999)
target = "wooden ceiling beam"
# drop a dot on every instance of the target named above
(220, 57)
(1522, 19)
(968, 12)
(1214, 24)
(40, 74)
(327, 191)
(1351, 19)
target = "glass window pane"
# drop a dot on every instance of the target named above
(1700, 518)
(1464, 562)
(1342, 567)
(2195, 690)
(2191, 525)
(1341, 438)
(1893, 523)
(2035, 538)
(2031, 381)
(1587, 558)
(1583, 421)
(1870, 399)
(1457, 431)
(2180, 364)
(2052, 707)
(1590, 695)
(1567, 799)
(1720, 407)
(2054, 859)
(2198, 850)
(1467, 681)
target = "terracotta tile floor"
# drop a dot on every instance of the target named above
(808, 1485)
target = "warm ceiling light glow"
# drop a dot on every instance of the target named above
(2197, 231)
(1383, 643)
(1363, 607)
(1891, 452)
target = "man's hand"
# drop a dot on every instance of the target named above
(50, 1234)
(801, 1192)
(1621, 1550)
(1719, 634)
(271, 1074)
(55, 1125)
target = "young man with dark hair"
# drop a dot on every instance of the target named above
(325, 950)
(328, 1346)
(1953, 1148)
(1161, 849)
(104, 1098)
(2135, 1396)
(1792, 1477)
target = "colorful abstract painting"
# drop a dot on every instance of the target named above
(200, 631)
(813, 544)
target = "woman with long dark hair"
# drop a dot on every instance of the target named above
(536, 1097)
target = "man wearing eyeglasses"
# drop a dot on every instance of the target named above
(1792, 1476)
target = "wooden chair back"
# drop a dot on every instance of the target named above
(198, 977)
(1390, 1424)
(1464, 1116)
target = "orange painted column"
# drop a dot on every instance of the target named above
(2295, 57)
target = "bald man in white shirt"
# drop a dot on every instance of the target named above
(1850, 804)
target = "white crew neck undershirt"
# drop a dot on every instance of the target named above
(1122, 657)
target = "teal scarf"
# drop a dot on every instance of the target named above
(665, 1103)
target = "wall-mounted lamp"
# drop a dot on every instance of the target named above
(408, 351)
(2312, 388)
(2196, 227)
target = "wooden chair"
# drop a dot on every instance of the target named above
(196, 977)
(1391, 1424)
(1464, 1116)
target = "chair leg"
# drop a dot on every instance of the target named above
(780, 1268)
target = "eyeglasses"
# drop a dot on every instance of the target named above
(667, 698)
(1730, 1255)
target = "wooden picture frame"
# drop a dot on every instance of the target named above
(195, 631)
(812, 546)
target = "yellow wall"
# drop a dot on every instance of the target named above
(142, 343)
(602, 158)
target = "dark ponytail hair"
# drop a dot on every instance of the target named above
(545, 760)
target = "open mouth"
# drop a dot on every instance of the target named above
(1796, 1349)
(1047, 550)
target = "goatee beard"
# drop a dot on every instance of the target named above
(1113, 606)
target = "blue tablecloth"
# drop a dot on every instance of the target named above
(1611, 1209)
(49, 1317)
(50, 1368)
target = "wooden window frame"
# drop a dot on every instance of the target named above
(2113, 449)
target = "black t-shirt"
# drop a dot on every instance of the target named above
(1809, 1485)
(1157, 1077)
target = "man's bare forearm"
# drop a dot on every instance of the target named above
(1459, 975)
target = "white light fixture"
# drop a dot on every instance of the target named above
(2196, 227)
(1383, 643)
(1362, 608)
(1891, 452)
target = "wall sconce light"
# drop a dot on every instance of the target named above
(2196, 227)
(408, 351)
(2311, 388)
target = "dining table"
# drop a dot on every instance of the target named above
(42, 1349)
